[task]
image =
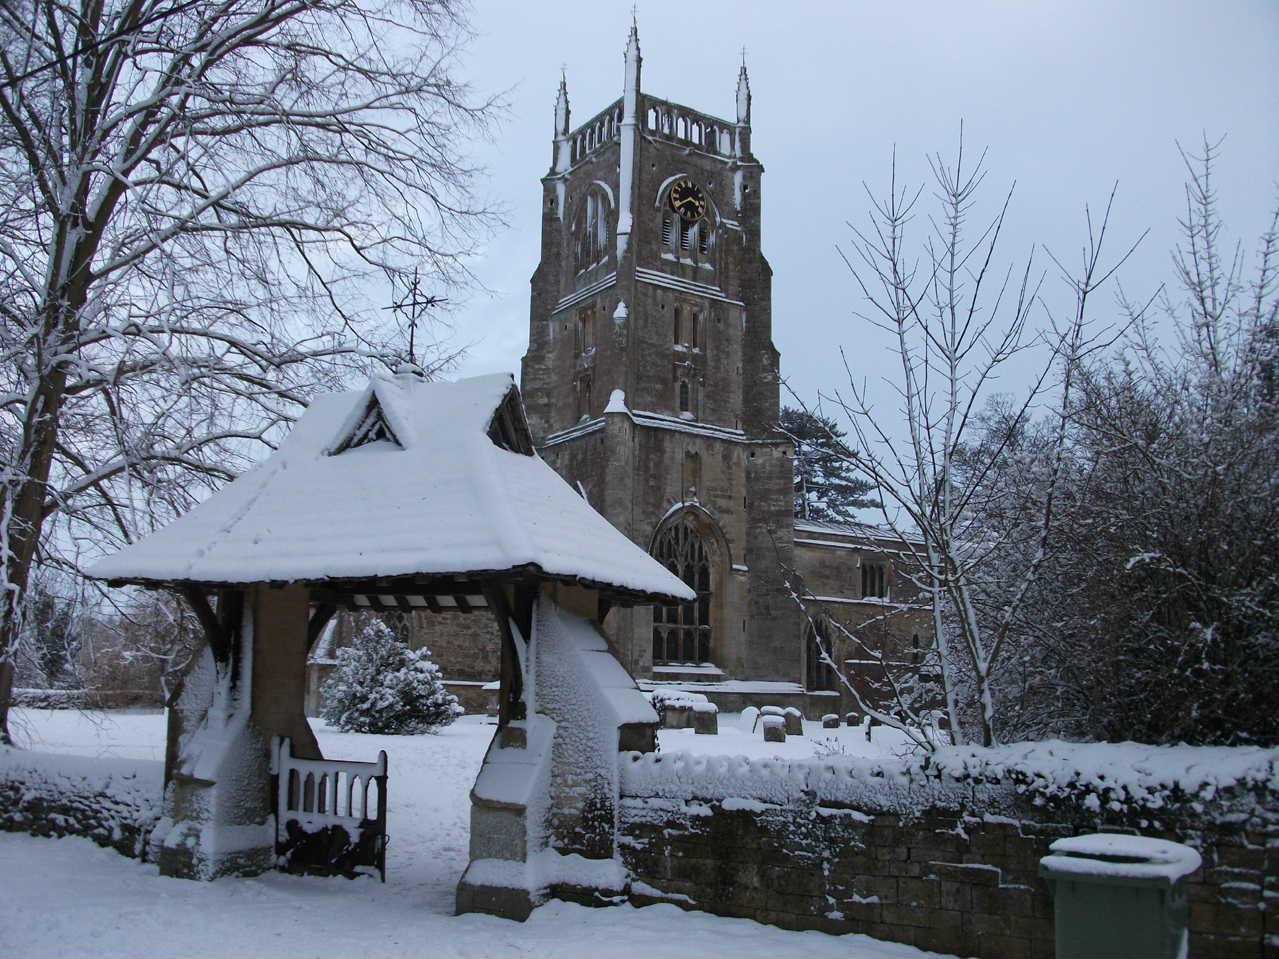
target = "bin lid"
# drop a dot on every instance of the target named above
(1114, 857)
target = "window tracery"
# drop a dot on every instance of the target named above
(682, 631)
(590, 230)
(686, 383)
(874, 581)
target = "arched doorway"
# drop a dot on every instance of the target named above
(682, 631)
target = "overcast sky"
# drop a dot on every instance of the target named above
(1068, 97)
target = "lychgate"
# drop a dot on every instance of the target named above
(407, 495)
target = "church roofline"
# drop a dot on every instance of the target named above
(858, 531)
(654, 117)
(658, 421)
(652, 278)
(658, 278)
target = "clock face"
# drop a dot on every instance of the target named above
(688, 200)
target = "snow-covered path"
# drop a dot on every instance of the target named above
(68, 897)
(64, 897)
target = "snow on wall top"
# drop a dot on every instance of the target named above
(1101, 778)
(444, 500)
(511, 775)
(115, 802)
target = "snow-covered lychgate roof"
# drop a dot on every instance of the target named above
(403, 478)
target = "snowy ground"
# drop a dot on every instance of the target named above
(61, 897)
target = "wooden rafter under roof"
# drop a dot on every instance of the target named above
(412, 593)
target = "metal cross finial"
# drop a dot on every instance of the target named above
(414, 304)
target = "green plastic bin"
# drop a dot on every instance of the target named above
(1119, 895)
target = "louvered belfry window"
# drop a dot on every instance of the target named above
(682, 631)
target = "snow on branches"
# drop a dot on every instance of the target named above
(197, 197)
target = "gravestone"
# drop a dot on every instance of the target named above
(794, 720)
(677, 715)
(706, 719)
(774, 729)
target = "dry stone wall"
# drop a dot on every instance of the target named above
(114, 802)
(922, 857)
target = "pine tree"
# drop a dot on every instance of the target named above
(55, 638)
(380, 685)
(826, 486)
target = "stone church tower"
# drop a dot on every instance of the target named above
(651, 386)
(651, 379)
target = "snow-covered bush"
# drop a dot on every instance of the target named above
(380, 685)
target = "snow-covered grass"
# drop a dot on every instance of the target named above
(118, 733)
(69, 897)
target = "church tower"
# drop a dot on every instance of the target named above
(651, 379)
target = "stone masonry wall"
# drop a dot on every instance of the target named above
(467, 646)
(114, 802)
(955, 876)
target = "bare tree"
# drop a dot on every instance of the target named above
(192, 195)
(1174, 526)
(957, 321)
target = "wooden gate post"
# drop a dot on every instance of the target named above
(247, 686)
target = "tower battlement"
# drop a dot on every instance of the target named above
(603, 128)
(661, 119)
(676, 123)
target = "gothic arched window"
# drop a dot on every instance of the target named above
(819, 673)
(682, 631)
(590, 230)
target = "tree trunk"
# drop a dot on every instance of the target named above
(24, 512)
